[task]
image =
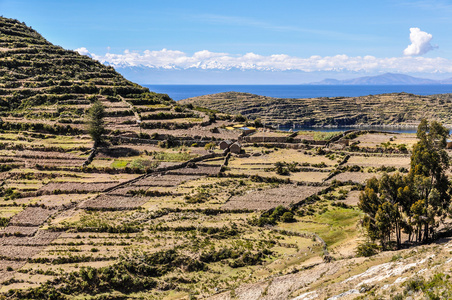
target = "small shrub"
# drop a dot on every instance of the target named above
(209, 146)
(367, 249)
(414, 284)
(4, 222)
(287, 217)
(199, 197)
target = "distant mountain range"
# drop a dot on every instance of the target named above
(384, 79)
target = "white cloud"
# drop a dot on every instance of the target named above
(173, 59)
(420, 42)
(82, 51)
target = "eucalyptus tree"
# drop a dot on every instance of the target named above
(413, 203)
(96, 123)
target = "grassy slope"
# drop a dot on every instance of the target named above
(35, 72)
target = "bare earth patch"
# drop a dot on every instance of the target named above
(198, 170)
(352, 198)
(41, 238)
(30, 163)
(270, 198)
(32, 216)
(358, 177)
(114, 202)
(20, 252)
(378, 161)
(4, 264)
(80, 187)
(57, 201)
(19, 230)
(164, 180)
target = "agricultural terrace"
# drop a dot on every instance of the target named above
(234, 219)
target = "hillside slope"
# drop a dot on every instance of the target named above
(421, 273)
(42, 83)
(32, 68)
(158, 211)
(393, 109)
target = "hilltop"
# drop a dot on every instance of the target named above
(385, 109)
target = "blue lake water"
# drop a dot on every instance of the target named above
(179, 92)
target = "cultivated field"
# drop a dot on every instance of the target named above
(62, 217)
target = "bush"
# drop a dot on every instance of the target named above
(209, 146)
(247, 259)
(287, 217)
(199, 197)
(9, 194)
(239, 118)
(4, 222)
(271, 217)
(143, 135)
(414, 284)
(402, 148)
(367, 249)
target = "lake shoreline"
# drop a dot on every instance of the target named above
(394, 128)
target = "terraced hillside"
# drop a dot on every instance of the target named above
(387, 109)
(46, 88)
(158, 211)
(146, 213)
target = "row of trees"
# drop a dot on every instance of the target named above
(416, 203)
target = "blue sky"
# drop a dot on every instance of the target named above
(313, 39)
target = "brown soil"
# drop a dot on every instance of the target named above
(198, 170)
(270, 198)
(352, 198)
(41, 238)
(378, 161)
(4, 264)
(18, 230)
(114, 202)
(30, 163)
(164, 180)
(31, 216)
(45, 155)
(20, 252)
(54, 201)
(358, 177)
(80, 187)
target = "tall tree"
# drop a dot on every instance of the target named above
(95, 121)
(414, 203)
(429, 162)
